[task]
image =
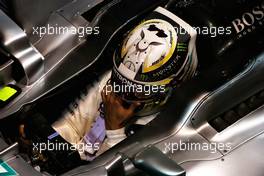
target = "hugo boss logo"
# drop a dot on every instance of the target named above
(248, 21)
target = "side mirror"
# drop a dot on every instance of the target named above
(153, 162)
(148, 161)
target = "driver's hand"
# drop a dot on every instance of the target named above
(115, 113)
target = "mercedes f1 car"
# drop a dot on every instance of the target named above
(212, 124)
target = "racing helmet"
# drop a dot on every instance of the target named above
(151, 61)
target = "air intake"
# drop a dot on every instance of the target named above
(224, 120)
